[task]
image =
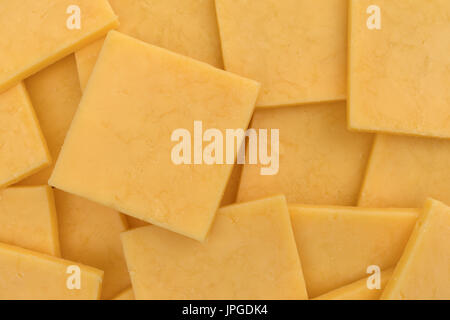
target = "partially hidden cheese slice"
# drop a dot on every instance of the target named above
(399, 66)
(250, 253)
(28, 219)
(230, 194)
(127, 294)
(188, 27)
(28, 275)
(337, 244)
(295, 48)
(39, 33)
(423, 271)
(404, 171)
(119, 148)
(359, 290)
(320, 161)
(23, 150)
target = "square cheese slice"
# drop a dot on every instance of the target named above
(337, 244)
(295, 48)
(250, 253)
(188, 27)
(320, 161)
(23, 150)
(399, 68)
(423, 271)
(36, 34)
(28, 219)
(28, 275)
(127, 294)
(404, 171)
(118, 150)
(358, 290)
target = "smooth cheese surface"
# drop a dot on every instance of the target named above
(36, 34)
(415, 168)
(399, 75)
(188, 27)
(337, 244)
(28, 275)
(250, 253)
(295, 48)
(118, 150)
(358, 290)
(23, 150)
(321, 162)
(28, 219)
(90, 234)
(423, 271)
(127, 294)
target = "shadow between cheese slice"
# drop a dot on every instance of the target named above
(337, 244)
(250, 253)
(127, 294)
(423, 272)
(28, 275)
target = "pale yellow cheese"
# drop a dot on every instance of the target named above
(23, 150)
(127, 294)
(321, 162)
(423, 271)
(404, 171)
(399, 74)
(28, 219)
(28, 275)
(337, 244)
(188, 27)
(358, 290)
(118, 150)
(295, 48)
(90, 234)
(36, 34)
(250, 253)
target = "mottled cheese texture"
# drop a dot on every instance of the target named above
(23, 150)
(127, 294)
(423, 271)
(399, 74)
(250, 253)
(320, 161)
(28, 275)
(337, 244)
(90, 234)
(28, 219)
(359, 290)
(295, 48)
(188, 27)
(118, 151)
(37, 34)
(404, 171)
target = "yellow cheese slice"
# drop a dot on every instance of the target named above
(118, 151)
(188, 27)
(337, 244)
(321, 162)
(230, 195)
(28, 219)
(127, 294)
(295, 48)
(28, 275)
(423, 271)
(37, 34)
(404, 171)
(23, 150)
(399, 74)
(250, 253)
(358, 290)
(90, 234)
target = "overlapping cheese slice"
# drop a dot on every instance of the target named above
(423, 271)
(337, 244)
(188, 27)
(230, 194)
(320, 161)
(118, 150)
(45, 31)
(250, 253)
